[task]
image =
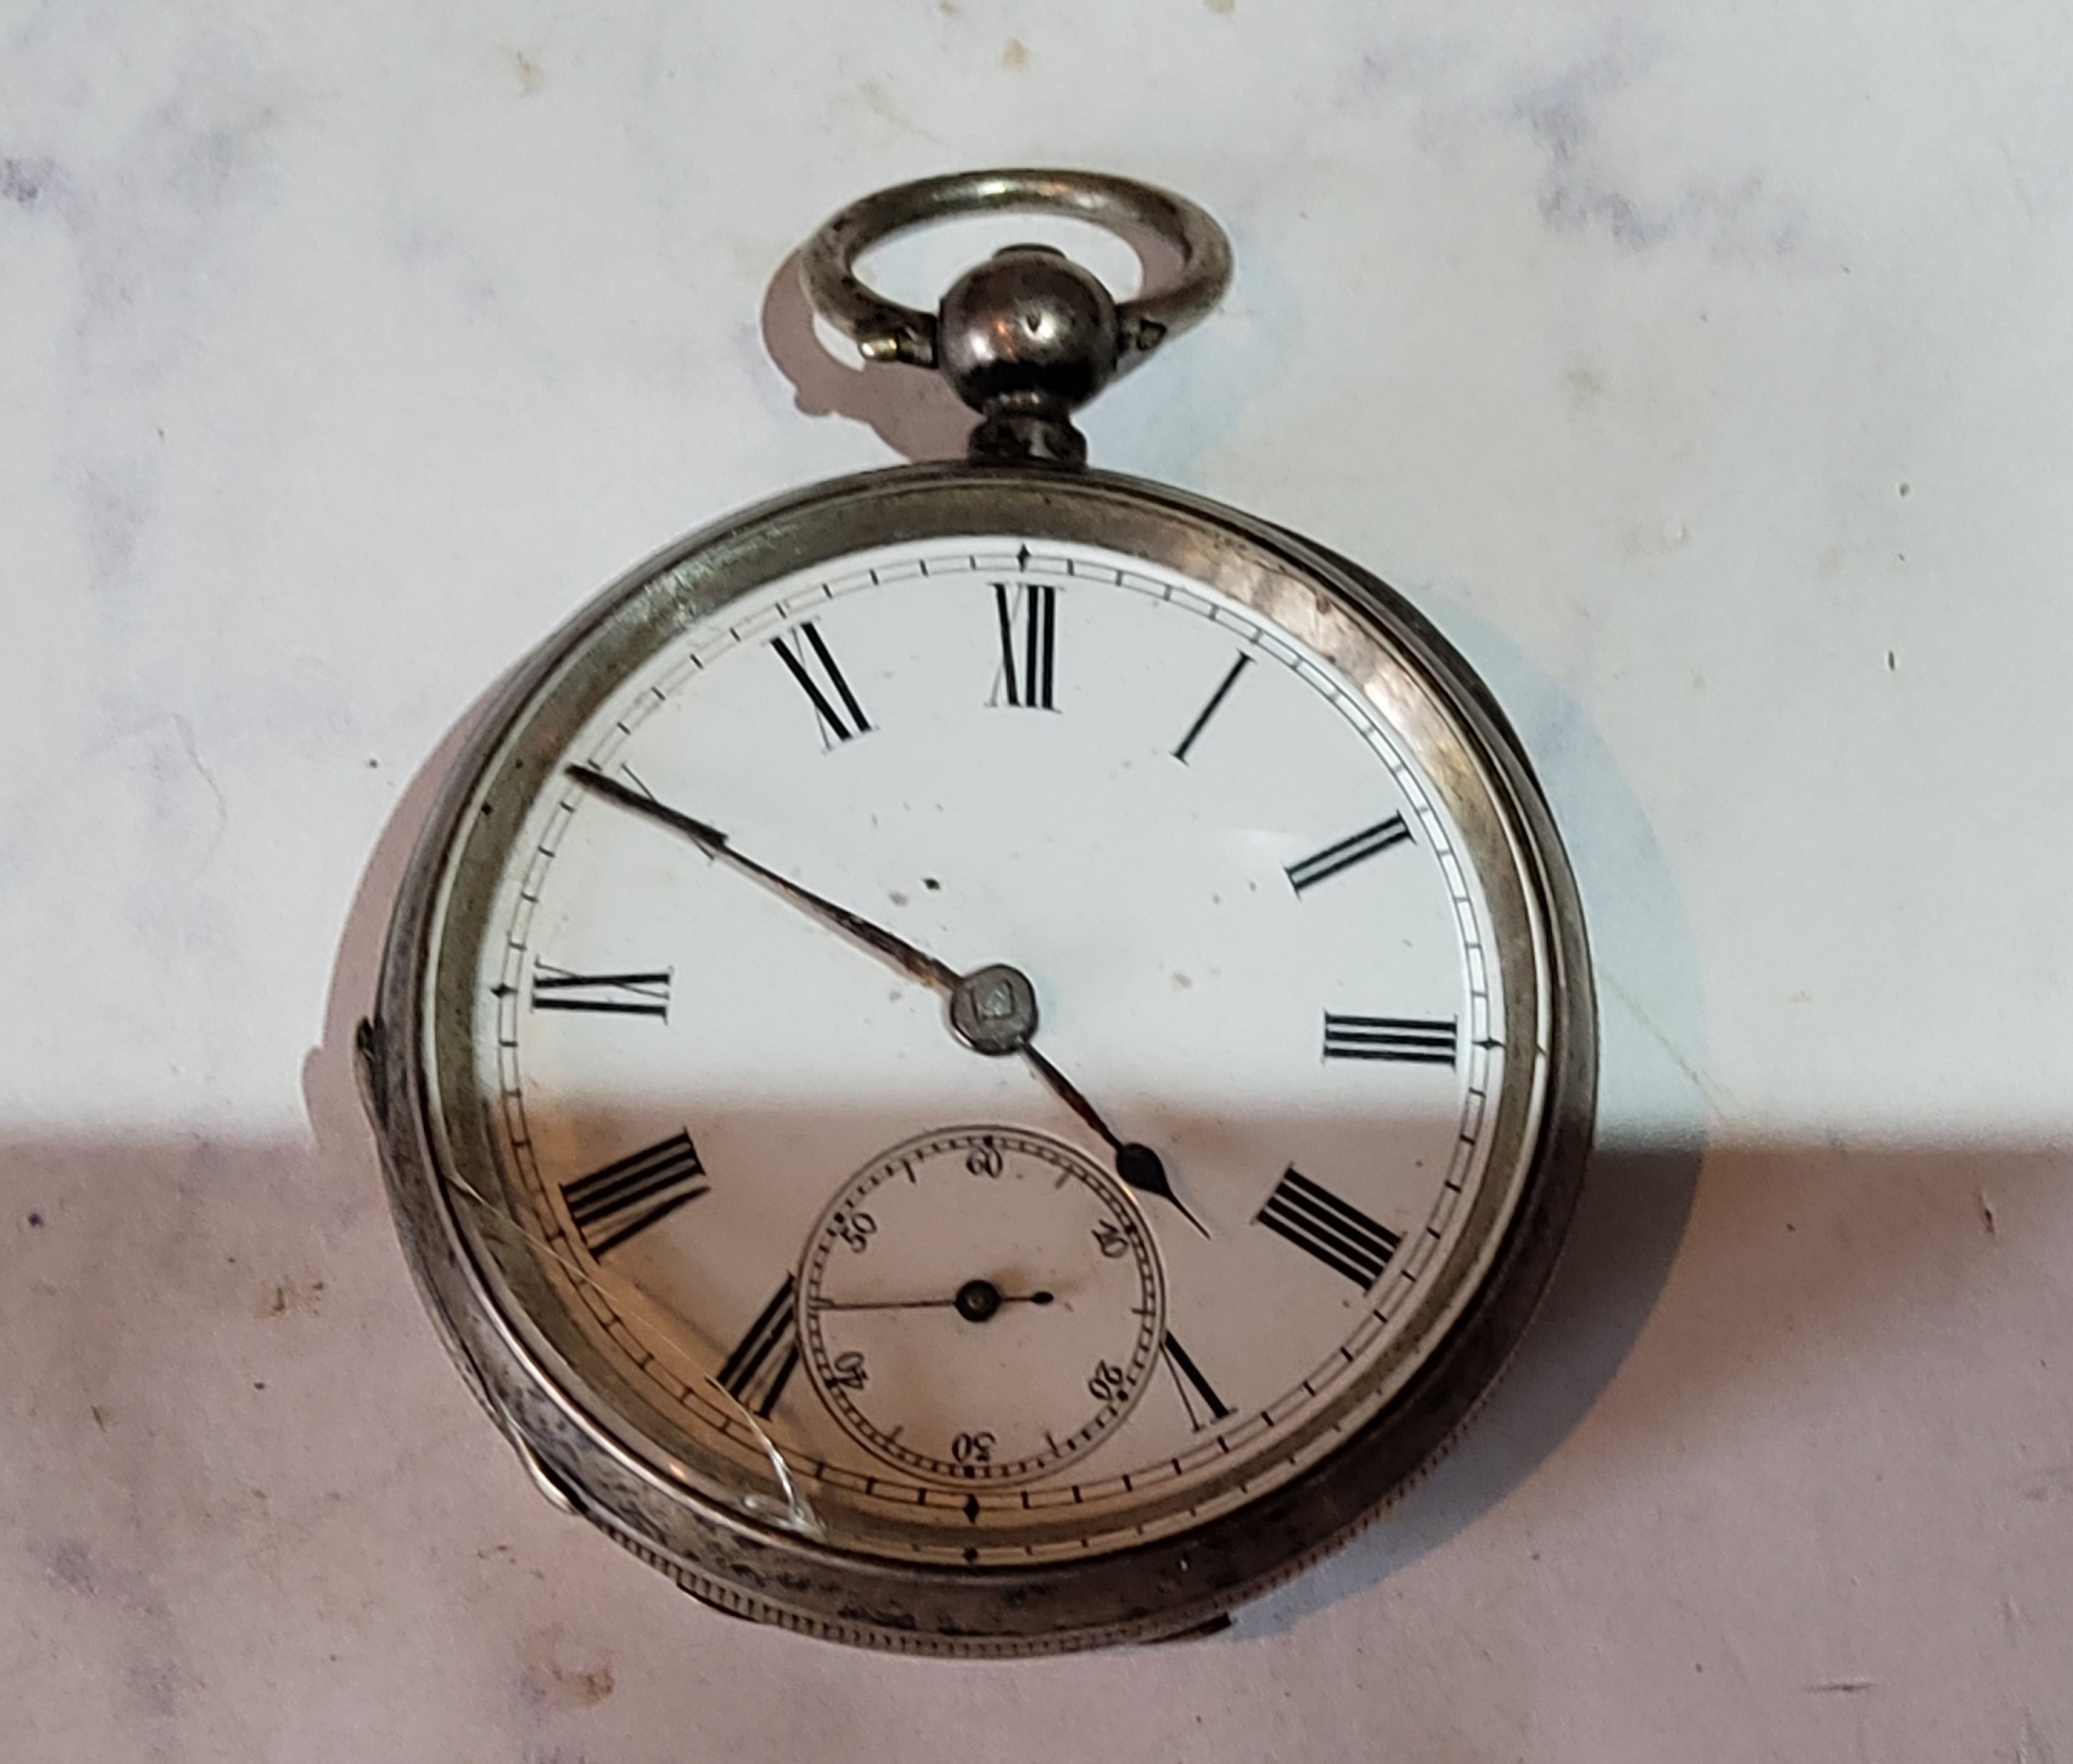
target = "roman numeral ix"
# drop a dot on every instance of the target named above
(1353, 849)
(610, 1205)
(755, 1372)
(1416, 1041)
(842, 718)
(1338, 1234)
(1028, 620)
(623, 994)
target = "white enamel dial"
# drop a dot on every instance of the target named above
(1258, 954)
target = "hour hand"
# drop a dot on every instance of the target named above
(1139, 1166)
(917, 965)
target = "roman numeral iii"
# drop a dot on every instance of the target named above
(756, 1372)
(623, 994)
(1416, 1041)
(1354, 848)
(610, 1205)
(1338, 1233)
(842, 718)
(1029, 619)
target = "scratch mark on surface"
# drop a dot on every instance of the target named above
(1986, 1215)
(2033, 1748)
(1699, 1081)
(885, 105)
(2016, 184)
(193, 748)
(1845, 1686)
(2048, 1483)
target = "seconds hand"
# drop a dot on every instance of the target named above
(1139, 1166)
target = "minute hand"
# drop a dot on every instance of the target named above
(1139, 1166)
(917, 965)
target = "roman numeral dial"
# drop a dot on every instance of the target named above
(1355, 848)
(625, 1197)
(1199, 1395)
(1335, 1232)
(644, 994)
(1413, 1041)
(1028, 618)
(763, 1360)
(808, 660)
(1216, 704)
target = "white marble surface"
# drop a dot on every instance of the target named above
(1706, 372)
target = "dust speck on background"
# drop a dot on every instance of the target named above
(22, 181)
(283, 1296)
(1587, 385)
(546, 1682)
(1222, 8)
(1015, 54)
(532, 75)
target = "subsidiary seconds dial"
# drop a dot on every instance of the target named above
(980, 1305)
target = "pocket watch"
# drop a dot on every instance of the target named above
(987, 1058)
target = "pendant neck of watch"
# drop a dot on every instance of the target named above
(1025, 338)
